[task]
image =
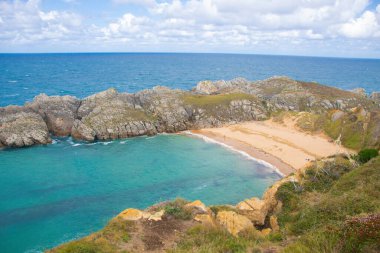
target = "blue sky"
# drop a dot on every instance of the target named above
(343, 28)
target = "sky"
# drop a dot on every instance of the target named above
(336, 28)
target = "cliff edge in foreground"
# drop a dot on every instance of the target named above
(331, 206)
(110, 114)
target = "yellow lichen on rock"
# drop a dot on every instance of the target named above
(266, 231)
(273, 223)
(205, 219)
(197, 204)
(233, 222)
(131, 214)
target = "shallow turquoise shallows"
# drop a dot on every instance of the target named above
(55, 193)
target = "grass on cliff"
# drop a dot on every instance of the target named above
(106, 240)
(354, 130)
(205, 239)
(205, 101)
(321, 209)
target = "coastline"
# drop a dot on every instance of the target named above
(273, 162)
(283, 147)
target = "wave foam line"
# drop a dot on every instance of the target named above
(210, 140)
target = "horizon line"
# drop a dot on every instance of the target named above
(159, 52)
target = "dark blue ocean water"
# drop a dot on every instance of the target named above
(23, 76)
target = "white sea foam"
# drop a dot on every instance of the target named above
(245, 154)
(12, 81)
(70, 140)
(76, 145)
(150, 137)
(107, 142)
(12, 95)
(91, 144)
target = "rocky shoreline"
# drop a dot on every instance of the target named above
(112, 115)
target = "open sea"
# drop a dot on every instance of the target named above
(55, 193)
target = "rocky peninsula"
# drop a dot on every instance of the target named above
(111, 115)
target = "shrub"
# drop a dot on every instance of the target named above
(367, 154)
(177, 210)
(361, 232)
(83, 246)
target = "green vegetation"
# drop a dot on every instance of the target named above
(176, 209)
(218, 208)
(352, 129)
(105, 241)
(329, 196)
(204, 239)
(367, 154)
(206, 101)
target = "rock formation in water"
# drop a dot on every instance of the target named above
(111, 115)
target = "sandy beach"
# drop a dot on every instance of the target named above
(282, 145)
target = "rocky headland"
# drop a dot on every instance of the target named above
(111, 115)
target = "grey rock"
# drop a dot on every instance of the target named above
(359, 91)
(21, 127)
(58, 112)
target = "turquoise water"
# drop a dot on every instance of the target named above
(54, 193)
(23, 76)
(51, 194)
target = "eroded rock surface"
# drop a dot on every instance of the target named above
(20, 126)
(111, 115)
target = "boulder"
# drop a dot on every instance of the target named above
(81, 131)
(58, 112)
(375, 96)
(233, 222)
(198, 206)
(21, 127)
(157, 216)
(206, 87)
(131, 214)
(359, 91)
(274, 223)
(205, 219)
(255, 209)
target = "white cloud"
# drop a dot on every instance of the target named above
(363, 27)
(24, 22)
(239, 25)
(147, 3)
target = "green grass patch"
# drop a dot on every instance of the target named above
(318, 213)
(176, 209)
(204, 239)
(205, 101)
(366, 154)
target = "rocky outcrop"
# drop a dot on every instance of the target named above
(375, 96)
(59, 113)
(233, 222)
(111, 115)
(21, 126)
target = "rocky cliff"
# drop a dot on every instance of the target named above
(111, 115)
